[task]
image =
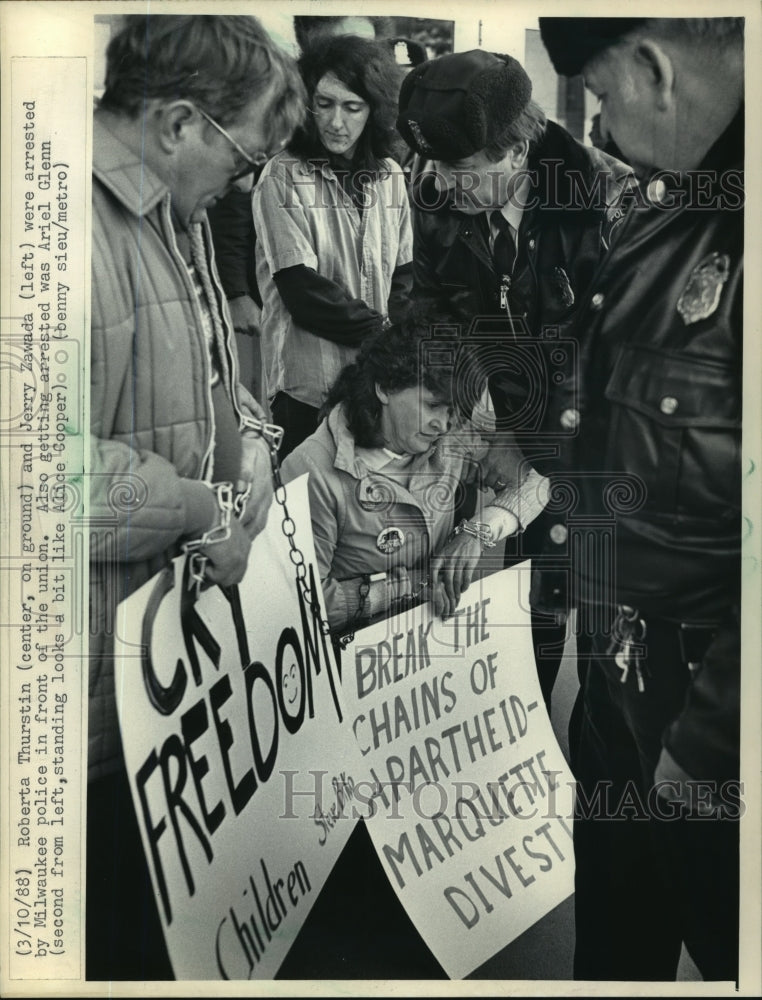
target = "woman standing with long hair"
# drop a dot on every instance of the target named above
(334, 251)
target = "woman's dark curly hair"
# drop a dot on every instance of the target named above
(368, 69)
(394, 359)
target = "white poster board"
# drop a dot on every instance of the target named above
(473, 818)
(230, 707)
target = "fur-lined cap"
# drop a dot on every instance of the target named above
(573, 41)
(456, 105)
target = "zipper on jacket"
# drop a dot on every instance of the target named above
(227, 321)
(207, 459)
(505, 287)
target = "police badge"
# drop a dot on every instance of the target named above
(419, 137)
(563, 287)
(701, 295)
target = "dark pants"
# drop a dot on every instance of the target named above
(548, 640)
(645, 883)
(358, 929)
(124, 938)
(298, 421)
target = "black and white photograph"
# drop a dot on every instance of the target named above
(363, 364)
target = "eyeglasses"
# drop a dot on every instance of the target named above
(254, 160)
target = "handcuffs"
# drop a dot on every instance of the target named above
(478, 529)
(229, 503)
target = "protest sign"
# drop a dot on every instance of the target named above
(472, 820)
(225, 699)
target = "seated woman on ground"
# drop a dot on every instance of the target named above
(386, 466)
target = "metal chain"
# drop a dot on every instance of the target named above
(476, 529)
(405, 601)
(398, 605)
(197, 561)
(362, 592)
(273, 435)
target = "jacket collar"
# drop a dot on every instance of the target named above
(556, 158)
(326, 168)
(347, 459)
(727, 153)
(728, 150)
(124, 173)
(309, 166)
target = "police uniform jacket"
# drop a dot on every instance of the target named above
(657, 409)
(577, 204)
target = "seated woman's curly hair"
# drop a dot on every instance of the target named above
(396, 358)
(368, 69)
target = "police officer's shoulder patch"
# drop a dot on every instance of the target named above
(701, 295)
(563, 287)
(614, 219)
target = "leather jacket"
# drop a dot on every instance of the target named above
(658, 398)
(578, 201)
(659, 404)
(575, 205)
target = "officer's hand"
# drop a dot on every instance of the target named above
(502, 467)
(227, 560)
(245, 314)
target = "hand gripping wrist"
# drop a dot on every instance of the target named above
(220, 532)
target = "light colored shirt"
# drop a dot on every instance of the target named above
(302, 216)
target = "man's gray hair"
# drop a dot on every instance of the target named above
(710, 30)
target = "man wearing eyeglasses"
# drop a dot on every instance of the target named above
(191, 104)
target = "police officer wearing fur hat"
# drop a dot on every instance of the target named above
(510, 221)
(660, 334)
